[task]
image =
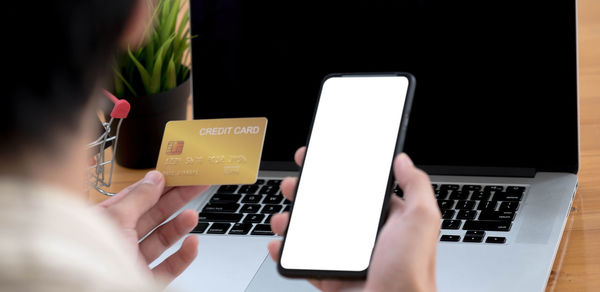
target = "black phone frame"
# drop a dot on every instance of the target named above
(323, 274)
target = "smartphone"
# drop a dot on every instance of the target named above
(346, 180)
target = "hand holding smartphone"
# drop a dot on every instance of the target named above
(346, 181)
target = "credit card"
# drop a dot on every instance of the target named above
(212, 152)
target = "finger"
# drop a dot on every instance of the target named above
(138, 200)
(279, 223)
(169, 203)
(274, 249)
(120, 195)
(288, 187)
(415, 185)
(413, 181)
(166, 235)
(174, 265)
(396, 204)
(299, 155)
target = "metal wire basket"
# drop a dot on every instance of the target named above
(99, 177)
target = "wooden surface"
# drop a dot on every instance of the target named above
(577, 265)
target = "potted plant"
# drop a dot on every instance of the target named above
(156, 81)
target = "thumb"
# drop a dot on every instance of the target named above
(138, 200)
(414, 182)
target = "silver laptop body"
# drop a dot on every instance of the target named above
(496, 89)
(523, 263)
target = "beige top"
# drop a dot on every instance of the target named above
(49, 241)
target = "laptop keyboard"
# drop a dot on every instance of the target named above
(242, 209)
(473, 208)
(477, 209)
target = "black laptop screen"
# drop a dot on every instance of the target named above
(496, 80)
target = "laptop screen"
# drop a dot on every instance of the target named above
(496, 80)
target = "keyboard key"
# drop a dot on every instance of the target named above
(218, 228)
(219, 217)
(476, 233)
(487, 205)
(466, 214)
(200, 228)
(248, 189)
(228, 189)
(495, 239)
(465, 205)
(240, 228)
(448, 214)
(515, 189)
(221, 208)
(471, 188)
(268, 220)
(451, 224)
(274, 182)
(260, 182)
(286, 208)
(481, 195)
(451, 187)
(250, 208)
(502, 196)
(497, 215)
(434, 186)
(287, 202)
(254, 218)
(252, 199)
(441, 194)
(225, 198)
(262, 229)
(471, 238)
(270, 209)
(268, 190)
(445, 204)
(493, 188)
(454, 238)
(509, 206)
(487, 225)
(459, 195)
(272, 199)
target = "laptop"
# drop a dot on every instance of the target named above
(494, 123)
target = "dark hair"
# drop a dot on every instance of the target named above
(58, 53)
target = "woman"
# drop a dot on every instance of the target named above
(59, 60)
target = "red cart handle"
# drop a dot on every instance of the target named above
(121, 108)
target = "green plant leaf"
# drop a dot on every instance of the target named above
(168, 27)
(158, 64)
(164, 12)
(144, 75)
(185, 72)
(157, 70)
(183, 25)
(171, 76)
(122, 81)
(149, 55)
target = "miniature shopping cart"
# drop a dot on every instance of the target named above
(101, 168)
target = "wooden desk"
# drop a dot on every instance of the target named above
(577, 265)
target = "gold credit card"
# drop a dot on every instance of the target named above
(212, 152)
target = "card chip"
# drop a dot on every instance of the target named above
(174, 147)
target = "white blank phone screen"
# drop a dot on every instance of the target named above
(345, 174)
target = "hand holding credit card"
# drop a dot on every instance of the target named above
(215, 151)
